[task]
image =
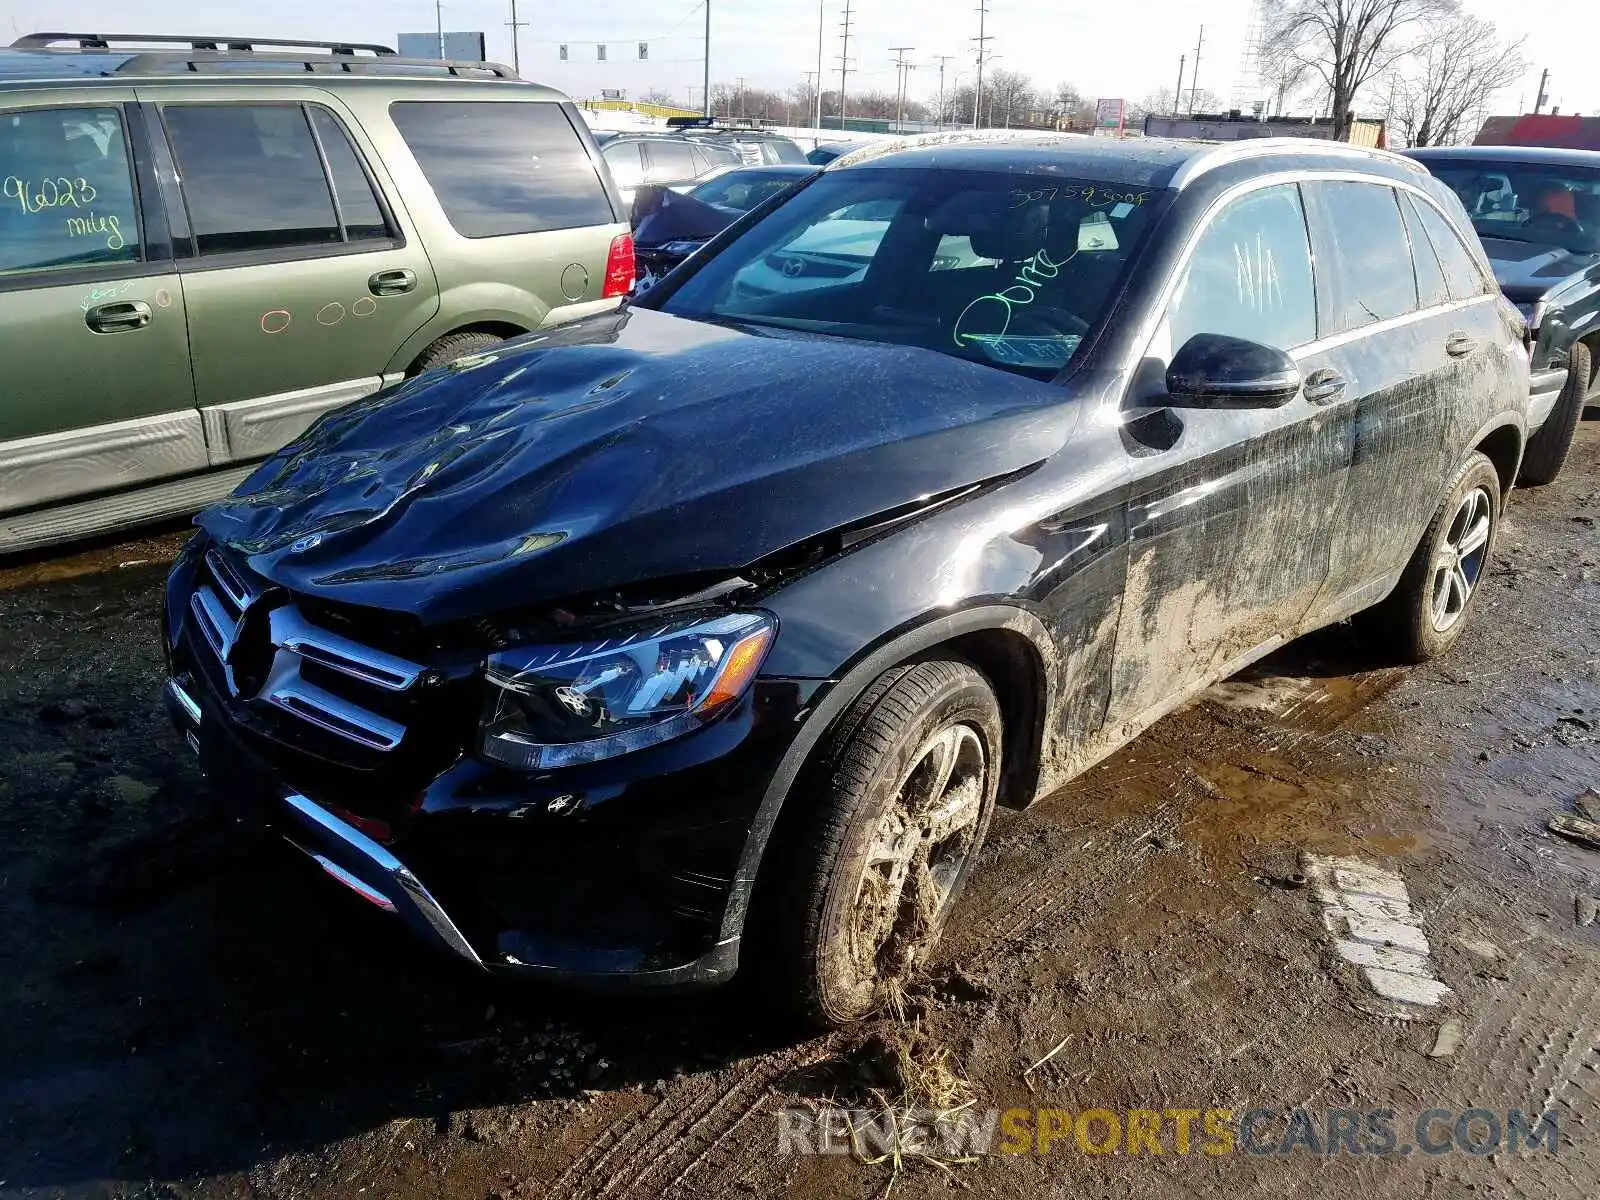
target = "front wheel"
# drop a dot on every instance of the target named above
(902, 800)
(1547, 449)
(1428, 609)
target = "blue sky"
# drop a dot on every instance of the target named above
(1108, 49)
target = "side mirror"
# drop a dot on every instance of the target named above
(1212, 370)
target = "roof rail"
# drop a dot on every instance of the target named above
(1223, 153)
(103, 41)
(948, 137)
(160, 63)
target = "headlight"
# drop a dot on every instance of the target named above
(562, 705)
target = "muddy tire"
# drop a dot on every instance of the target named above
(896, 813)
(1547, 450)
(451, 347)
(1429, 607)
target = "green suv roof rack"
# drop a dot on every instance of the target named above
(164, 54)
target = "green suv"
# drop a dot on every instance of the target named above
(207, 243)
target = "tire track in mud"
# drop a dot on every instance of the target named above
(666, 1149)
(1537, 1049)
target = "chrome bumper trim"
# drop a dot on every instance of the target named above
(409, 892)
(187, 703)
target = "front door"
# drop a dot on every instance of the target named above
(1228, 521)
(95, 390)
(304, 279)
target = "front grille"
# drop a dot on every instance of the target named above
(267, 652)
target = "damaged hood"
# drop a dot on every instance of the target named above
(1527, 272)
(626, 448)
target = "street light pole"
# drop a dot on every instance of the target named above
(438, 18)
(943, 58)
(707, 79)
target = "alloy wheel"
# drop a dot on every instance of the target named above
(1458, 562)
(918, 853)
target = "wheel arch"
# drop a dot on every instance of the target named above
(1006, 644)
(1503, 446)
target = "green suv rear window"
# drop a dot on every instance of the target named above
(502, 167)
(66, 195)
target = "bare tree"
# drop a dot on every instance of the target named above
(1162, 103)
(1438, 93)
(1347, 43)
(1283, 77)
(1012, 98)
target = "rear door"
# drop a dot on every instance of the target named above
(669, 163)
(1229, 517)
(95, 391)
(301, 276)
(1393, 366)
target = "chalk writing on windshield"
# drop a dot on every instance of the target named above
(1095, 197)
(980, 317)
(48, 193)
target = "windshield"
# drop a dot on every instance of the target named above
(743, 190)
(1525, 202)
(1008, 270)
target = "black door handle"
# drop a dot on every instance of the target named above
(119, 317)
(1459, 345)
(1324, 386)
(392, 283)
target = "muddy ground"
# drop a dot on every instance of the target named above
(185, 1013)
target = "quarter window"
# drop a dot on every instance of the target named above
(1431, 287)
(1250, 275)
(358, 203)
(504, 167)
(66, 192)
(1460, 267)
(1369, 240)
(252, 177)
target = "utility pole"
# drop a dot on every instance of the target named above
(821, 6)
(844, 62)
(739, 79)
(943, 58)
(983, 41)
(1544, 96)
(707, 79)
(902, 70)
(438, 16)
(1194, 80)
(1177, 96)
(516, 25)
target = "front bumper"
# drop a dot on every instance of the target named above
(625, 875)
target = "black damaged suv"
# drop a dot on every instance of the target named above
(1538, 213)
(706, 635)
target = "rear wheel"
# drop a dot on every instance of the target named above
(453, 346)
(1428, 609)
(1547, 449)
(902, 801)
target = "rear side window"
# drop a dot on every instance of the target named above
(1460, 267)
(66, 193)
(785, 151)
(1369, 239)
(1431, 287)
(626, 166)
(1250, 275)
(502, 168)
(252, 177)
(670, 162)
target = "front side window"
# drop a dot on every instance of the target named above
(66, 192)
(1008, 270)
(358, 203)
(1369, 242)
(252, 177)
(502, 167)
(1461, 270)
(1249, 275)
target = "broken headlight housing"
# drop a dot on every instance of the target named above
(563, 705)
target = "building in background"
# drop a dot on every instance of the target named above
(1235, 126)
(458, 47)
(1541, 129)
